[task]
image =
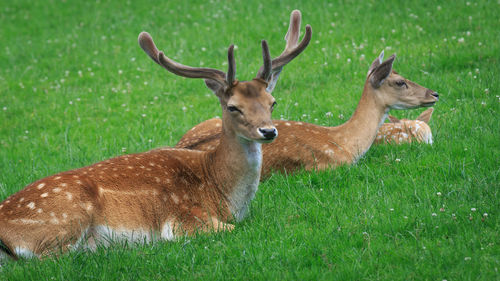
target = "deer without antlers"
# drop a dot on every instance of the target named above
(162, 193)
(315, 147)
(406, 131)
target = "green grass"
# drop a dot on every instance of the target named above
(76, 89)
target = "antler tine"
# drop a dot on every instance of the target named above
(266, 56)
(293, 33)
(147, 44)
(231, 69)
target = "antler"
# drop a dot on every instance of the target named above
(292, 49)
(147, 44)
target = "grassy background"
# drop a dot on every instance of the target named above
(75, 88)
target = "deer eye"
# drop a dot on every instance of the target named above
(273, 106)
(401, 83)
(232, 108)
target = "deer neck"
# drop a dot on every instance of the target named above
(236, 164)
(359, 132)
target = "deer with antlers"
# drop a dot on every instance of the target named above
(162, 193)
(309, 146)
(406, 131)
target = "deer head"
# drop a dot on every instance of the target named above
(398, 92)
(246, 105)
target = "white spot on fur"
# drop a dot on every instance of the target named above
(40, 186)
(39, 210)
(25, 253)
(22, 199)
(31, 205)
(167, 231)
(56, 190)
(26, 221)
(57, 178)
(44, 195)
(175, 198)
(69, 196)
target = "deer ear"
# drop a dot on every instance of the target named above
(381, 72)
(393, 119)
(216, 87)
(376, 63)
(426, 115)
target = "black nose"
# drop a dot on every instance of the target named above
(268, 133)
(436, 95)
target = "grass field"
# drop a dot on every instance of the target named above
(75, 88)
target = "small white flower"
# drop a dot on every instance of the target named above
(467, 258)
(120, 71)
(203, 49)
(150, 140)
(472, 209)
(124, 149)
(328, 114)
(391, 209)
(70, 102)
(143, 115)
(296, 104)
(438, 193)
(4, 108)
(461, 40)
(397, 160)
(184, 108)
(434, 214)
(341, 116)
(405, 217)
(485, 215)
(132, 59)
